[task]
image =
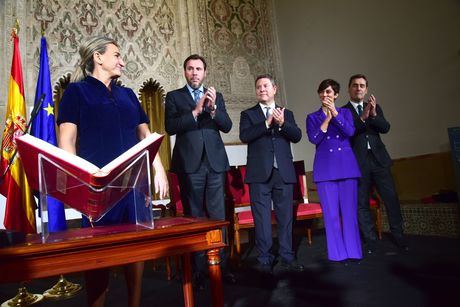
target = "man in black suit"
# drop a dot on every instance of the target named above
(196, 115)
(269, 129)
(374, 162)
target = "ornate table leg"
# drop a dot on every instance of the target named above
(187, 280)
(215, 276)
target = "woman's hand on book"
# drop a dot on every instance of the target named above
(161, 184)
(160, 180)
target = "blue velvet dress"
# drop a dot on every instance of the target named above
(107, 124)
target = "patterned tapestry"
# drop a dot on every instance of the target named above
(237, 37)
(238, 41)
(145, 30)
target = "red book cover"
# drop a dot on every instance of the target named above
(79, 183)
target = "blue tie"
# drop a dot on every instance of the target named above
(360, 109)
(196, 95)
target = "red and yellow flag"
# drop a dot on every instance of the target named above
(20, 204)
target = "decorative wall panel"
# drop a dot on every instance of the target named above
(144, 29)
(237, 38)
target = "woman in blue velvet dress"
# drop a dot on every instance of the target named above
(336, 173)
(108, 120)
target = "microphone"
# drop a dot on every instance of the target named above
(35, 111)
(33, 115)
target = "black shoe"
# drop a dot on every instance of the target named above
(265, 268)
(370, 247)
(292, 266)
(229, 278)
(333, 264)
(401, 243)
(353, 261)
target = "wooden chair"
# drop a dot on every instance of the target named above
(375, 203)
(304, 210)
(175, 205)
(238, 206)
(176, 209)
(239, 203)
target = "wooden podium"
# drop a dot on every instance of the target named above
(92, 248)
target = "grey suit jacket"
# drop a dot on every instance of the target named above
(195, 136)
(264, 144)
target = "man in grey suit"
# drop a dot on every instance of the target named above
(197, 115)
(374, 162)
(269, 130)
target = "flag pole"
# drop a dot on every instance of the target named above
(23, 298)
(63, 289)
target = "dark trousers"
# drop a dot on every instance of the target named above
(202, 195)
(374, 173)
(262, 195)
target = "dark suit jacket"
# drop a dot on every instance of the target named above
(264, 143)
(194, 136)
(369, 131)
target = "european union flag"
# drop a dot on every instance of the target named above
(43, 127)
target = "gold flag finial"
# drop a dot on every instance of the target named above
(43, 28)
(15, 30)
(17, 26)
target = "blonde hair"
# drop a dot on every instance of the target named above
(87, 49)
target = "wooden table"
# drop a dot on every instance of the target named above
(99, 247)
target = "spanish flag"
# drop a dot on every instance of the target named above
(20, 203)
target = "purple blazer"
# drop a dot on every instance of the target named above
(334, 157)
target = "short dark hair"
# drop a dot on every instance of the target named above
(265, 76)
(195, 57)
(329, 82)
(357, 76)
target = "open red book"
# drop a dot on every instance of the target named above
(78, 183)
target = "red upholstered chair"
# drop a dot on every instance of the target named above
(174, 194)
(304, 210)
(238, 205)
(175, 205)
(375, 203)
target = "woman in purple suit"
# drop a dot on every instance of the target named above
(336, 173)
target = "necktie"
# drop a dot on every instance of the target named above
(360, 109)
(267, 112)
(196, 95)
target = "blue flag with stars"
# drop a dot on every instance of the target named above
(43, 127)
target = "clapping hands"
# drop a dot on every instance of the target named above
(211, 98)
(208, 100)
(372, 101)
(370, 109)
(329, 104)
(278, 116)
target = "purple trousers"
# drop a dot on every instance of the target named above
(339, 201)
